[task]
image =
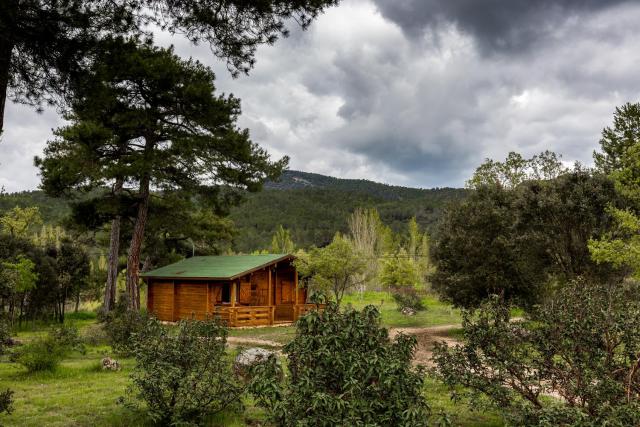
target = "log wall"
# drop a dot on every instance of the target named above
(160, 300)
(191, 301)
(264, 296)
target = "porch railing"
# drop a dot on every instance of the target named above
(261, 315)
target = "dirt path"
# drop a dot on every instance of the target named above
(426, 336)
(248, 341)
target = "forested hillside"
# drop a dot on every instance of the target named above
(312, 206)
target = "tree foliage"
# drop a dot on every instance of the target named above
(185, 376)
(366, 232)
(617, 140)
(516, 169)
(42, 275)
(620, 158)
(336, 269)
(582, 345)
(515, 242)
(344, 370)
(19, 221)
(18, 279)
(44, 44)
(400, 270)
(281, 242)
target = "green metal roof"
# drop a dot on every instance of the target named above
(223, 267)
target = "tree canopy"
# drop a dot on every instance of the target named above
(336, 269)
(517, 241)
(45, 44)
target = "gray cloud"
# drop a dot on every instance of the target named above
(496, 25)
(376, 91)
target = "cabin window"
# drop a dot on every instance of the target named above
(226, 293)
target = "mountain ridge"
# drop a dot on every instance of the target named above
(295, 180)
(312, 206)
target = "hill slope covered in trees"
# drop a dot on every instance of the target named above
(312, 206)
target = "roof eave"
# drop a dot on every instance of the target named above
(236, 276)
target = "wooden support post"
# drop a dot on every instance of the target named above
(269, 292)
(149, 295)
(209, 305)
(174, 315)
(234, 286)
(295, 283)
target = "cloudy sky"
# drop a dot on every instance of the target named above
(416, 92)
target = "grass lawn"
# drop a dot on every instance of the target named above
(79, 393)
(439, 398)
(436, 313)
(279, 334)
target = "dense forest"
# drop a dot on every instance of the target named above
(312, 206)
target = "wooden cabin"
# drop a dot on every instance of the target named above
(243, 290)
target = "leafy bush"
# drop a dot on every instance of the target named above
(5, 336)
(407, 297)
(95, 334)
(344, 370)
(46, 353)
(121, 324)
(186, 376)
(583, 345)
(6, 401)
(6, 397)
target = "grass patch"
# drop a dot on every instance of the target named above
(460, 414)
(436, 313)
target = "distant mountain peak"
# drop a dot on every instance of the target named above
(298, 180)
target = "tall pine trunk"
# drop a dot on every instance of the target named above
(114, 251)
(6, 47)
(133, 258)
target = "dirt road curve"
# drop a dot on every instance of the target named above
(426, 337)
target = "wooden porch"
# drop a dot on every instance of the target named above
(262, 315)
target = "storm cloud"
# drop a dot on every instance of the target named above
(417, 92)
(496, 25)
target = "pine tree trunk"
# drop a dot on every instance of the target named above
(6, 47)
(114, 251)
(133, 258)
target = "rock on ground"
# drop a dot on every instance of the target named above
(249, 358)
(109, 364)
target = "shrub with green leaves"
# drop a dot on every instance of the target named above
(6, 396)
(582, 345)
(183, 375)
(344, 370)
(5, 336)
(46, 353)
(121, 324)
(407, 297)
(6, 401)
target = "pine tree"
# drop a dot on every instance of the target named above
(147, 117)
